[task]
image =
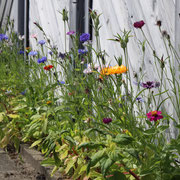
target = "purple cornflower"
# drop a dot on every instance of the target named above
(139, 99)
(3, 37)
(150, 84)
(62, 55)
(42, 42)
(33, 53)
(84, 37)
(157, 84)
(107, 120)
(70, 33)
(82, 51)
(42, 60)
(23, 92)
(50, 52)
(21, 52)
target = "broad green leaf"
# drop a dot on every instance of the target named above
(95, 159)
(162, 128)
(36, 143)
(44, 127)
(123, 139)
(36, 116)
(48, 162)
(106, 165)
(70, 164)
(2, 114)
(13, 116)
(90, 145)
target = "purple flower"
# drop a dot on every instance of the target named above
(42, 42)
(50, 52)
(70, 33)
(3, 37)
(42, 60)
(23, 92)
(150, 84)
(62, 55)
(60, 82)
(107, 120)
(139, 99)
(33, 53)
(84, 37)
(21, 52)
(82, 51)
(157, 84)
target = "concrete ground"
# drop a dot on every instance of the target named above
(13, 168)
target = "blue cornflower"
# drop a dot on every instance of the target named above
(42, 42)
(50, 52)
(3, 37)
(60, 82)
(84, 37)
(82, 51)
(33, 53)
(42, 60)
(62, 55)
(21, 52)
(23, 92)
(139, 99)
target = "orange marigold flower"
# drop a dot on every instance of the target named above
(114, 70)
(48, 67)
(48, 102)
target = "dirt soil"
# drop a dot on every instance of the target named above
(12, 167)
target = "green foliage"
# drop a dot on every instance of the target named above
(87, 120)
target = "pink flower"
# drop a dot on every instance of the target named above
(139, 24)
(34, 36)
(154, 115)
(70, 33)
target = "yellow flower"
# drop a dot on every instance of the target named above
(49, 102)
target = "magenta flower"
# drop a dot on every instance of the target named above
(70, 33)
(154, 115)
(139, 24)
(107, 120)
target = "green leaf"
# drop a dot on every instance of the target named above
(117, 175)
(95, 129)
(149, 132)
(48, 162)
(148, 177)
(36, 143)
(162, 128)
(70, 164)
(95, 159)
(106, 165)
(44, 126)
(70, 140)
(90, 145)
(123, 139)
(2, 114)
(133, 152)
(56, 158)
